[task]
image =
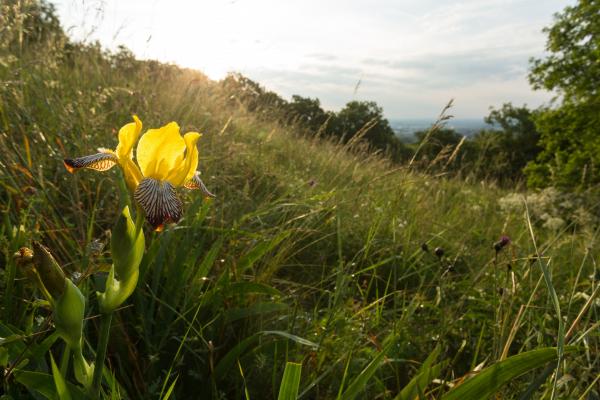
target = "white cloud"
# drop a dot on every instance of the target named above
(410, 55)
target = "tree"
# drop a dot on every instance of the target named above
(512, 142)
(244, 91)
(366, 119)
(570, 130)
(305, 112)
(358, 115)
(436, 141)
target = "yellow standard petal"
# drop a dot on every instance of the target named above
(131, 172)
(188, 162)
(159, 151)
(128, 135)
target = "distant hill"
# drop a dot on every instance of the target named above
(406, 127)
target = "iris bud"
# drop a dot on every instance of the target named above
(68, 304)
(51, 274)
(69, 310)
(127, 247)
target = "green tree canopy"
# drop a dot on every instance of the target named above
(358, 115)
(306, 112)
(505, 149)
(570, 130)
(366, 118)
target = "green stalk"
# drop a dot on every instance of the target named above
(139, 219)
(64, 361)
(105, 321)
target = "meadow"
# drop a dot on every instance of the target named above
(380, 281)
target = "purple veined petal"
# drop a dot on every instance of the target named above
(97, 162)
(159, 201)
(196, 183)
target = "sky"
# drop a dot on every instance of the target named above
(410, 56)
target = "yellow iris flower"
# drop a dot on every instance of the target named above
(165, 161)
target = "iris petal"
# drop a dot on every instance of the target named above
(196, 183)
(159, 151)
(128, 135)
(159, 201)
(99, 162)
(187, 165)
(132, 173)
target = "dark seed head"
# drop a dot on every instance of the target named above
(502, 243)
(439, 252)
(424, 247)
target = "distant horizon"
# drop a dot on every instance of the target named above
(433, 119)
(406, 127)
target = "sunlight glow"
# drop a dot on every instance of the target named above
(399, 50)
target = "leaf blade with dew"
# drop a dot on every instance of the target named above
(294, 338)
(288, 389)
(490, 379)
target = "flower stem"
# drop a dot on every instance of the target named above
(105, 321)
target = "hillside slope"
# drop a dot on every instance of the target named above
(311, 252)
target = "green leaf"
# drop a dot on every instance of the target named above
(423, 378)
(227, 362)
(294, 338)
(244, 288)
(259, 251)
(12, 338)
(59, 382)
(419, 382)
(489, 380)
(209, 258)
(254, 310)
(168, 394)
(288, 389)
(360, 381)
(44, 384)
(3, 357)
(39, 350)
(224, 366)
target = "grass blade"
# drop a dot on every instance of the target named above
(168, 394)
(288, 390)
(59, 382)
(553, 297)
(490, 379)
(360, 381)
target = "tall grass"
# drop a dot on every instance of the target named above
(312, 252)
